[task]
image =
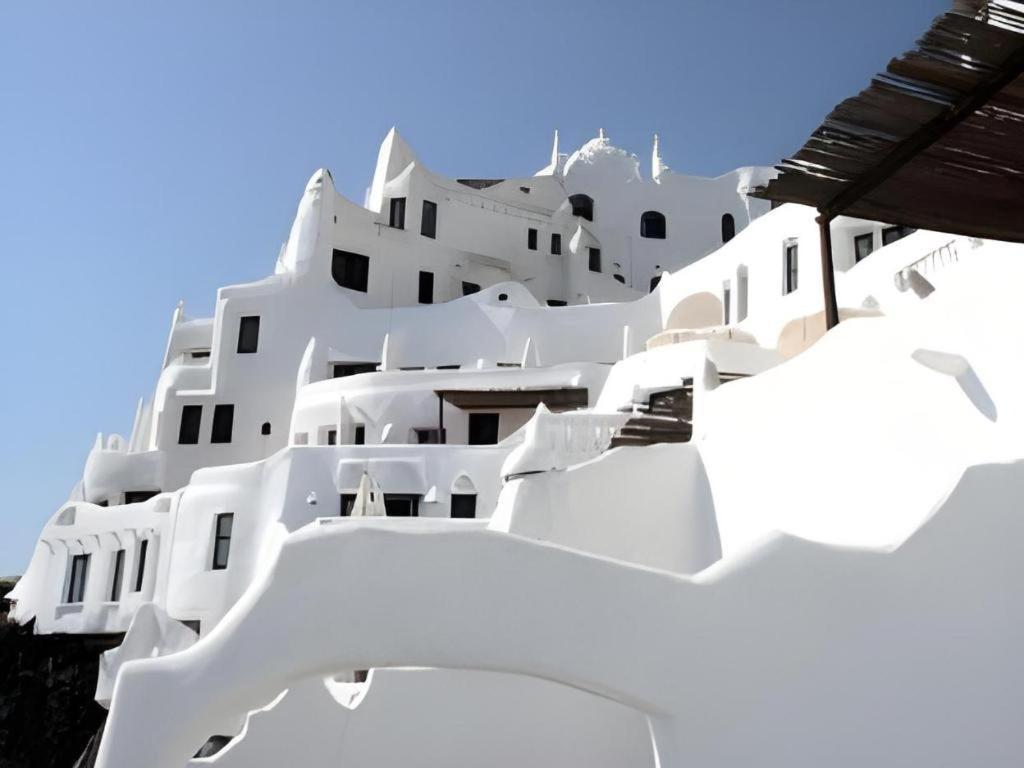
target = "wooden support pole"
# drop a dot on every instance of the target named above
(828, 273)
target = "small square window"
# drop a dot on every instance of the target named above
(531, 239)
(483, 428)
(463, 505)
(556, 244)
(350, 270)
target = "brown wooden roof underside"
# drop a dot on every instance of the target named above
(936, 141)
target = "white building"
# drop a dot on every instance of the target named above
(557, 358)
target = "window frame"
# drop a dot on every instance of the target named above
(191, 435)
(117, 576)
(594, 259)
(431, 219)
(140, 565)
(868, 237)
(350, 270)
(396, 213)
(461, 513)
(77, 579)
(222, 541)
(653, 225)
(219, 432)
(556, 243)
(791, 267)
(426, 287)
(248, 326)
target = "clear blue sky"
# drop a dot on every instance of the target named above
(151, 152)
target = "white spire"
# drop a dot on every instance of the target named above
(600, 133)
(657, 166)
(554, 151)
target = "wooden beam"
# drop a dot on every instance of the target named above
(927, 135)
(828, 273)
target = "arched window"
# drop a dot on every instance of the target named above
(728, 227)
(582, 206)
(652, 224)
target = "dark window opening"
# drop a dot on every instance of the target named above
(135, 497)
(194, 624)
(620, 278)
(222, 540)
(502, 297)
(348, 501)
(350, 270)
(594, 259)
(863, 245)
(426, 288)
(76, 583)
(401, 505)
(525, 190)
(223, 419)
(188, 431)
(248, 334)
(340, 370)
(483, 428)
(892, 234)
(652, 225)
(428, 221)
(453, 367)
(360, 675)
(199, 354)
(397, 218)
(140, 568)
(464, 505)
(556, 244)
(728, 227)
(332, 437)
(582, 206)
(557, 302)
(429, 436)
(468, 288)
(790, 277)
(654, 281)
(103, 503)
(213, 745)
(360, 435)
(265, 429)
(531, 239)
(118, 577)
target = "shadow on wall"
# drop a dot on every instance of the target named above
(699, 310)
(800, 333)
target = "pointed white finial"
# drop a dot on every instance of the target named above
(627, 338)
(385, 356)
(600, 133)
(554, 151)
(656, 165)
(526, 359)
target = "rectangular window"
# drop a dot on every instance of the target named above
(76, 582)
(464, 505)
(118, 576)
(468, 288)
(340, 370)
(556, 244)
(223, 418)
(360, 435)
(426, 287)
(789, 280)
(140, 567)
(136, 497)
(531, 239)
(248, 334)
(556, 302)
(188, 431)
(483, 428)
(401, 505)
(332, 437)
(892, 234)
(397, 219)
(348, 500)
(350, 270)
(595, 259)
(428, 436)
(863, 245)
(428, 222)
(222, 540)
